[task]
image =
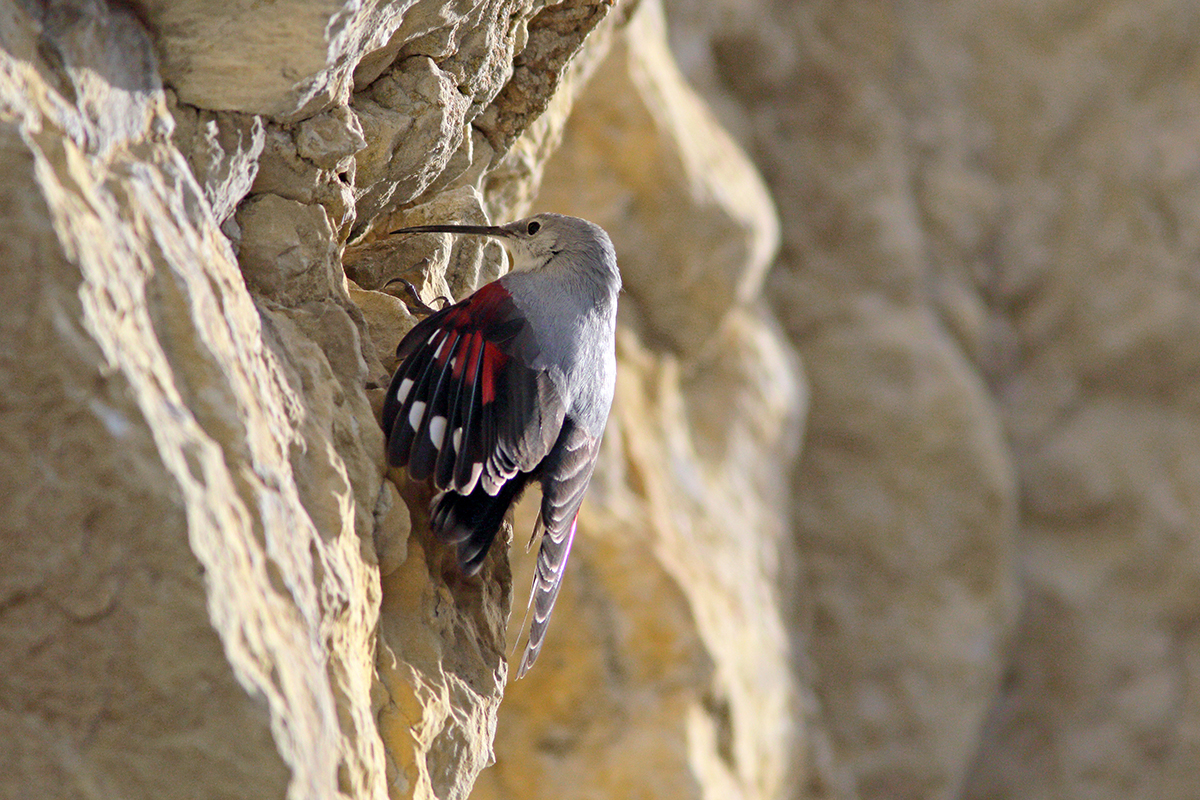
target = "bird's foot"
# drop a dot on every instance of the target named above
(418, 305)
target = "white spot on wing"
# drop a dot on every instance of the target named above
(405, 388)
(456, 439)
(437, 431)
(414, 416)
(469, 485)
(438, 352)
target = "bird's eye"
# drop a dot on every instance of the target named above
(533, 227)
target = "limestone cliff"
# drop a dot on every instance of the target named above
(898, 497)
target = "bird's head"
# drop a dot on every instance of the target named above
(535, 242)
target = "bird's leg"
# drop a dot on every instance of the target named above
(417, 303)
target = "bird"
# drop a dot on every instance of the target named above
(512, 385)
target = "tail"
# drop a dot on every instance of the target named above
(472, 521)
(547, 580)
(568, 469)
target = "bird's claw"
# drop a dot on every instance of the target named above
(417, 303)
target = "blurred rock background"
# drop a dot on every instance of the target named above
(899, 498)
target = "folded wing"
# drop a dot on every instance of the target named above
(464, 407)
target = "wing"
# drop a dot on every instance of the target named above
(464, 407)
(565, 478)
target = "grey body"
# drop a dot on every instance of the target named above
(566, 281)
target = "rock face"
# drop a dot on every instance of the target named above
(898, 498)
(190, 599)
(988, 270)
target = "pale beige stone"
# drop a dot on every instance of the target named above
(438, 265)
(690, 214)
(292, 168)
(282, 61)
(331, 139)
(414, 119)
(905, 500)
(445, 117)
(440, 662)
(998, 195)
(222, 149)
(196, 613)
(286, 252)
(513, 144)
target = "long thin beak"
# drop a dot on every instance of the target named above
(477, 230)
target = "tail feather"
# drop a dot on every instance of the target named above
(472, 521)
(567, 471)
(547, 580)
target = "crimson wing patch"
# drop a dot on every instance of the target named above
(464, 407)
